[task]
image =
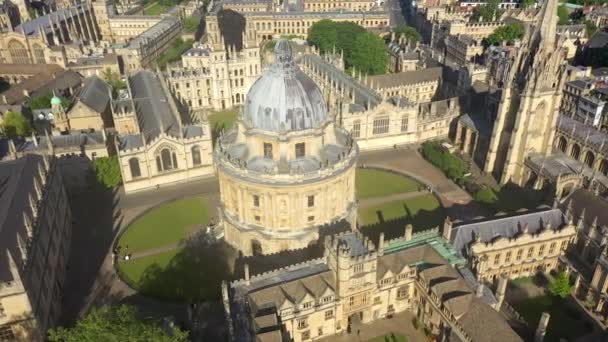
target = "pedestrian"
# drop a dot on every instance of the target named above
(157, 186)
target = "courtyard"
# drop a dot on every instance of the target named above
(529, 297)
(172, 257)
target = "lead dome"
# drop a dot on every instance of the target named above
(284, 98)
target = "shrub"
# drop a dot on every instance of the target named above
(453, 167)
(107, 171)
(486, 196)
(560, 286)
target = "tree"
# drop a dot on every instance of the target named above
(487, 12)
(116, 323)
(560, 286)
(410, 33)
(107, 171)
(564, 15)
(485, 196)
(528, 3)
(590, 28)
(44, 101)
(114, 80)
(191, 24)
(508, 33)
(369, 54)
(16, 125)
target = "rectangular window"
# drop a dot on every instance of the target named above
(302, 323)
(320, 331)
(386, 281)
(377, 300)
(541, 250)
(311, 201)
(356, 129)
(307, 305)
(381, 125)
(563, 245)
(358, 268)
(552, 248)
(508, 257)
(327, 299)
(519, 254)
(311, 218)
(496, 259)
(305, 335)
(257, 218)
(530, 252)
(329, 314)
(300, 150)
(256, 201)
(403, 292)
(404, 124)
(268, 150)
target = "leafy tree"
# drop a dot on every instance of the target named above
(453, 167)
(116, 323)
(528, 3)
(488, 12)
(324, 35)
(410, 33)
(485, 196)
(114, 81)
(16, 125)
(369, 54)
(590, 28)
(191, 24)
(560, 286)
(564, 15)
(508, 33)
(44, 101)
(107, 171)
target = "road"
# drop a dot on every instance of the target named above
(397, 17)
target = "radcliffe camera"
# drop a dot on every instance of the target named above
(303, 170)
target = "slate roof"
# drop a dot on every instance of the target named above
(95, 94)
(31, 26)
(43, 83)
(594, 206)
(506, 227)
(407, 77)
(477, 123)
(154, 112)
(598, 40)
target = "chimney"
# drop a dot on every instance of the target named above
(541, 329)
(479, 290)
(447, 229)
(408, 232)
(247, 274)
(381, 245)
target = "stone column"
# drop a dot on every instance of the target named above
(501, 291)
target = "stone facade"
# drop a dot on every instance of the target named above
(155, 143)
(282, 177)
(35, 242)
(356, 282)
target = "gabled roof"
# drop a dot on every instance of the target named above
(95, 94)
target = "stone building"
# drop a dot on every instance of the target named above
(417, 86)
(54, 38)
(532, 82)
(358, 282)
(287, 169)
(404, 56)
(514, 246)
(35, 233)
(156, 143)
(215, 75)
(377, 121)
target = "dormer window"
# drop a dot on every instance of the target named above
(326, 299)
(306, 305)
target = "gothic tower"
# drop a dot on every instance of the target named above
(527, 114)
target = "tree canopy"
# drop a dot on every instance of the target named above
(15, 125)
(528, 3)
(362, 50)
(410, 33)
(107, 171)
(560, 286)
(114, 324)
(564, 15)
(453, 167)
(44, 101)
(488, 12)
(508, 33)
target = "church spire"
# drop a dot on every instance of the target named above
(546, 27)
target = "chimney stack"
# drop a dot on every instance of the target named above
(541, 330)
(381, 245)
(247, 274)
(408, 232)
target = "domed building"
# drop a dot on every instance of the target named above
(286, 170)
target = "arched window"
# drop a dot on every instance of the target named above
(166, 160)
(196, 155)
(589, 158)
(576, 151)
(134, 166)
(38, 54)
(562, 144)
(18, 52)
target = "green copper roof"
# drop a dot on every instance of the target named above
(431, 238)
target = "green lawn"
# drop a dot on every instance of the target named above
(564, 322)
(156, 9)
(187, 274)
(375, 183)
(392, 337)
(223, 119)
(423, 212)
(174, 52)
(165, 225)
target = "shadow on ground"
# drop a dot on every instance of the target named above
(394, 228)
